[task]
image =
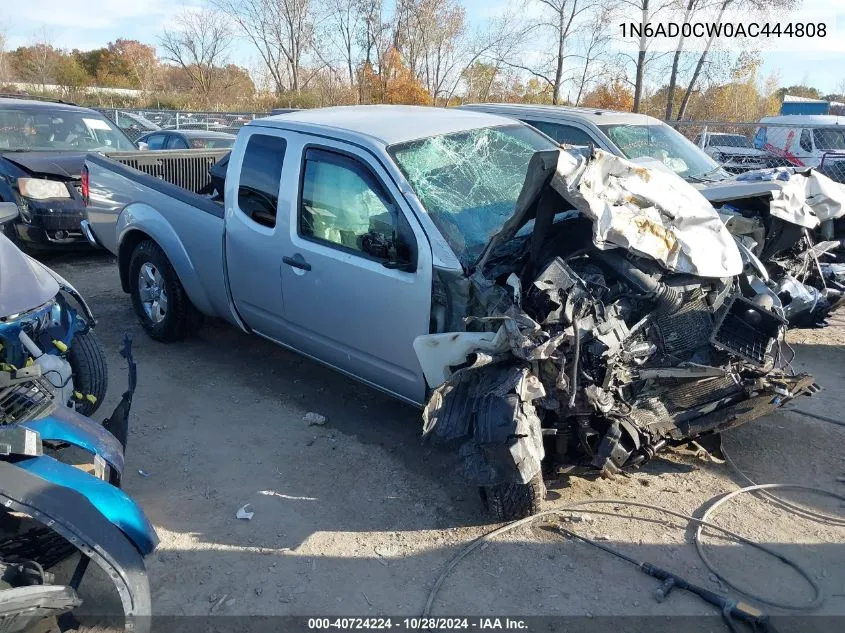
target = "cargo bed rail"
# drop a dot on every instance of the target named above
(185, 168)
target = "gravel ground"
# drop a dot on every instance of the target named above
(358, 516)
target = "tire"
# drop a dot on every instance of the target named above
(90, 371)
(179, 316)
(509, 502)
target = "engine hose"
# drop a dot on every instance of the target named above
(666, 297)
(701, 523)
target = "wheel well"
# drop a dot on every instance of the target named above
(124, 254)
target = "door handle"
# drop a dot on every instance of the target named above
(297, 261)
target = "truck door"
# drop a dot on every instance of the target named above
(253, 261)
(356, 267)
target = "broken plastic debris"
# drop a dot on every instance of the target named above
(245, 512)
(315, 419)
(143, 473)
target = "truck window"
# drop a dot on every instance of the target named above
(261, 173)
(176, 142)
(156, 141)
(562, 133)
(344, 204)
(805, 142)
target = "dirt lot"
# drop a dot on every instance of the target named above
(359, 516)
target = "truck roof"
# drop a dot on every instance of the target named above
(806, 120)
(596, 116)
(386, 124)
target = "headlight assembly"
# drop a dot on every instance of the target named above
(41, 189)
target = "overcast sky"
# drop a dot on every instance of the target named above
(69, 25)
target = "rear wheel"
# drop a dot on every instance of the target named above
(508, 502)
(158, 297)
(90, 371)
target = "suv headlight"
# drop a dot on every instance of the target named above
(41, 189)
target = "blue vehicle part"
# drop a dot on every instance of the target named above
(71, 515)
(110, 501)
(64, 424)
(55, 320)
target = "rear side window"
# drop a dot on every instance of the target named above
(176, 142)
(261, 173)
(562, 133)
(156, 141)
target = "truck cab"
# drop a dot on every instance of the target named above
(319, 242)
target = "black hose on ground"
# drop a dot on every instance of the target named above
(700, 523)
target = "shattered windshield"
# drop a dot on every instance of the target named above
(663, 143)
(469, 181)
(49, 130)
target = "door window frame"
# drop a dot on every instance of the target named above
(361, 164)
(570, 124)
(258, 227)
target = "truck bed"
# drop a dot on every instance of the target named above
(187, 169)
(169, 193)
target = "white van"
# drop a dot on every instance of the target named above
(804, 140)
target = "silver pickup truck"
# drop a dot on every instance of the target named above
(545, 309)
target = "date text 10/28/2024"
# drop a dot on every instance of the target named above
(419, 624)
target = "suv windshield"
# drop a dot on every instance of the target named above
(51, 130)
(663, 143)
(469, 181)
(829, 138)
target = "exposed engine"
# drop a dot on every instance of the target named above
(37, 337)
(602, 356)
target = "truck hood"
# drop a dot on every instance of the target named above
(649, 212)
(803, 197)
(59, 164)
(728, 150)
(24, 283)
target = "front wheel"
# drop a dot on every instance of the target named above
(90, 371)
(158, 297)
(509, 502)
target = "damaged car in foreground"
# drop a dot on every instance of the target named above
(540, 307)
(612, 318)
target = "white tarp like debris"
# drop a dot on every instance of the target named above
(648, 211)
(808, 199)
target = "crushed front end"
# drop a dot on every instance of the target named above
(602, 354)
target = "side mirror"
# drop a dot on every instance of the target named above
(143, 146)
(8, 211)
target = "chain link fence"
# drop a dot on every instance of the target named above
(737, 147)
(136, 123)
(741, 147)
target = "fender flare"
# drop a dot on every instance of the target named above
(70, 515)
(138, 217)
(107, 500)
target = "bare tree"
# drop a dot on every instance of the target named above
(690, 8)
(281, 31)
(4, 70)
(346, 19)
(596, 37)
(560, 19)
(199, 44)
(648, 11)
(758, 5)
